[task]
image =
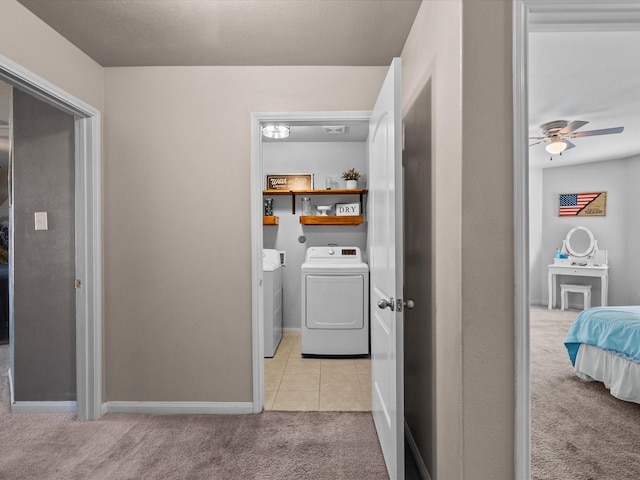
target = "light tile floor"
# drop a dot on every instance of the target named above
(292, 382)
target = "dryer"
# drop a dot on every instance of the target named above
(335, 302)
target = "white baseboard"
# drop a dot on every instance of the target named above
(11, 386)
(424, 473)
(43, 407)
(178, 408)
(38, 407)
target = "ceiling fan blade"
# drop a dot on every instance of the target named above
(537, 138)
(541, 141)
(569, 144)
(603, 131)
(572, 127)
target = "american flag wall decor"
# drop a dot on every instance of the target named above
(592, 204)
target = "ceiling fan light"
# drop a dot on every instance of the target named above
(556, 146)
(275, 131)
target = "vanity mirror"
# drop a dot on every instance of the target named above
(580, 242)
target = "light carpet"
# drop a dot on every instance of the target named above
(578, 430)
(271, 445)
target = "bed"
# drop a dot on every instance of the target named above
(603, 344)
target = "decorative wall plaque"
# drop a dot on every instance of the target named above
(290, 181)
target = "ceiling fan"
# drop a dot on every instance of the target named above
(558, 131)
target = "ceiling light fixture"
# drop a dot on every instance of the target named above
(275, 131)
(557, 146)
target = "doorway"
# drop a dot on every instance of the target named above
(87, 125)
(5, 142)
(531, 16)
(42, 256)
(385, 259)
(321, 146)
(419, 345)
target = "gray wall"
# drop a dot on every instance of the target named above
(321, 159)
(44, 294)
(615, 232)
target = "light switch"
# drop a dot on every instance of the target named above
(41, 221)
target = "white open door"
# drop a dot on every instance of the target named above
(385, 261)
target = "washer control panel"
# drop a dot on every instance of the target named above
(334, 254)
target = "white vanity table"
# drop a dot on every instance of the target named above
(601, 271)
(585, 260)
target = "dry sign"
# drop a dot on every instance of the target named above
(344, 209)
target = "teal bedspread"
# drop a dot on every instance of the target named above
(610, 328)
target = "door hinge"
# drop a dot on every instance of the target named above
(78, 283)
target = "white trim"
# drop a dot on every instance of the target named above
(179, 408)
(583, 16)
(43, 407)
(256, 229)
(88, 230)
(422, 468)
(522, 443)
(11, 386)
(257, 301)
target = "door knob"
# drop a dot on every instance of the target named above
(409, 304)
(386, 303)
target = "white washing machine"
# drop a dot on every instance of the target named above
(335, 302)
(272, 281)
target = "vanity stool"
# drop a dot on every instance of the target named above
(566, 288)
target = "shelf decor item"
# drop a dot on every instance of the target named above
(268, 206)
(323, 209)
(351, 176)
(290, 182)
(347, 209)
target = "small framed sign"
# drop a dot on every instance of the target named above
(291, 182)
(344, 209)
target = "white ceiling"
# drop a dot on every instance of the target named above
(232, 32)
(585, 75)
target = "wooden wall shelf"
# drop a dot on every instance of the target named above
(337, 191)
(331, 220)
(270, 220)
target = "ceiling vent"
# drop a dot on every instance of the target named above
(330, 130)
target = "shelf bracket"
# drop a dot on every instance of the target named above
(293, 202)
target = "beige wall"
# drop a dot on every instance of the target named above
(32, 44)
(177, 219)
(432, 52)
(472, 215)
(487, 241)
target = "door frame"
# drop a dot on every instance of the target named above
(257, 185)
(88, 235)
(538, 16)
